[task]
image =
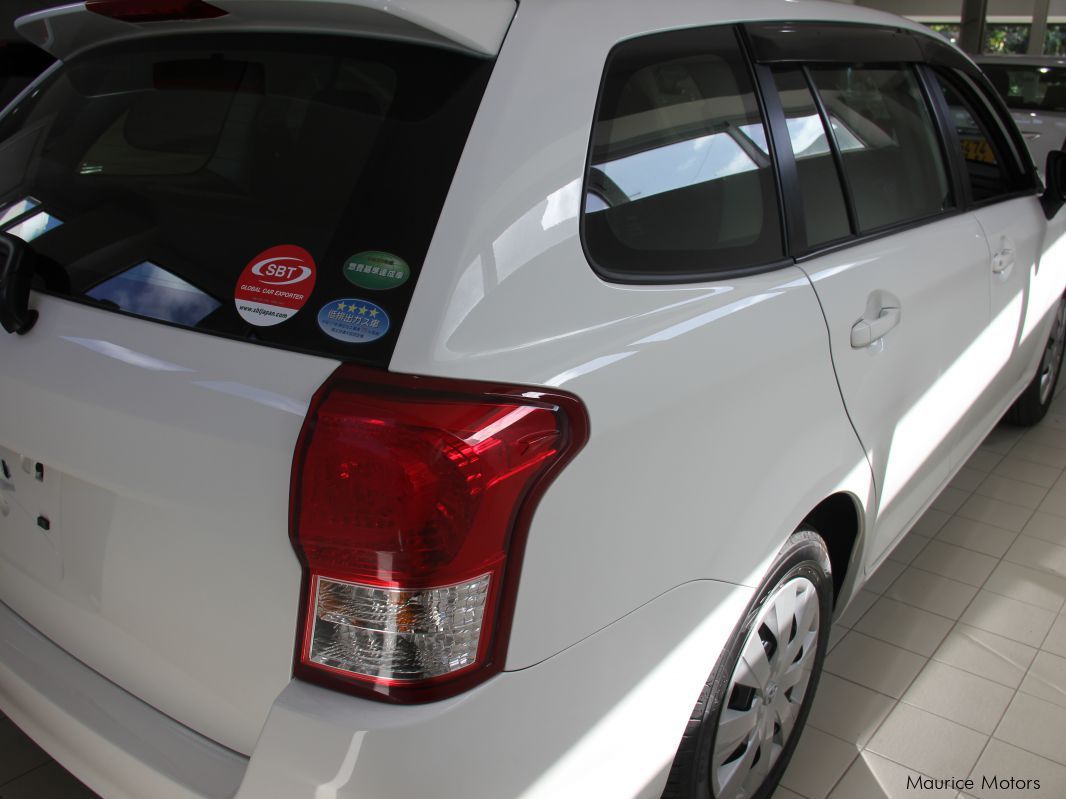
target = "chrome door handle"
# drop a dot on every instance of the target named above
(866, 332)
(1003, 258)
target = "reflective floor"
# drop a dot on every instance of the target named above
(951, 664)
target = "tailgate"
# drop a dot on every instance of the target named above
(144, 525)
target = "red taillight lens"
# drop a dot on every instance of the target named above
(154, 10)
(410, 500)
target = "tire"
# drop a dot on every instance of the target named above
(1034, 402)
(796, 594)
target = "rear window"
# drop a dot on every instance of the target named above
(275, 188)
(1030, 88)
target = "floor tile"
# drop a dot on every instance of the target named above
(907, 549)
(50, 781)
(1036, 726)
(836, 633)
(1028, 585)
(18, 754)
(1013, 491)
(1047, 527)
(885, 575)
(1045, 436)
(785, 793)
(1038, 554)
(1002, 439)
(848, 710)
(986, 654)
(959, 696)
(978, 536)
(1009, 617)
(818, 762)
(874, 777)
(858, 606)
(1047, 679)
(1055, 501)
(1055, 643)
(932, 592)
(954, 562)
(930, 522)
(983, 460)
(1001, 762)
(1001, 514)
(1027, 471)
(905, 626)
(875, 664)
(1038, 453)
(950, 499)
(927, 743)
(967, 479)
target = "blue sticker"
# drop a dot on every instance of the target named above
(355, 321)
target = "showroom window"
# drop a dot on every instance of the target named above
(982, 151)
(897, 174)
(825, 212)
(680, 179)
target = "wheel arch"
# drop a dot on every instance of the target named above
(838, 519)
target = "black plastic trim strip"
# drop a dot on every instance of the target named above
(949, 136)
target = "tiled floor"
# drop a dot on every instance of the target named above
(950, 664)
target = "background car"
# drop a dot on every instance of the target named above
(1034, 88)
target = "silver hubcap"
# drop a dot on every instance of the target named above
(1049, 368)
(766, 690)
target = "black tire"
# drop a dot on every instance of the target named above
(803, 556)
(1033, 403)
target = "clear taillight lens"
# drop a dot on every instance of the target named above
(410, 501)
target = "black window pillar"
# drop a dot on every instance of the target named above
(972, 33)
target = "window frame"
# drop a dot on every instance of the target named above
(803, 44)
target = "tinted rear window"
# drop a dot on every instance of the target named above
(277, 188)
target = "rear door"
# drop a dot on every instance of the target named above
(217, 219)
(900, 271)
(1001, 190)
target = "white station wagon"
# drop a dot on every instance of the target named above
(473, 398)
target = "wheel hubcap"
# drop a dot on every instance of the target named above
(1049, 367)
(766, 690)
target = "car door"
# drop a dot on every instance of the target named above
(1002, 193)
(899, 269)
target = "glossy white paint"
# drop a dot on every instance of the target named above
(166, 460)
(475, 25)
(717, 425)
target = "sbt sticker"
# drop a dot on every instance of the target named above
(274, 285)
(377, 270)
(354, 321)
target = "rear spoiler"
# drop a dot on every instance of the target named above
(475, 26)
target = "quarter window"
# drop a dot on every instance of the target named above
(888, 143)
(680, 179)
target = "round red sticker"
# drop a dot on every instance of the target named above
(275, 285)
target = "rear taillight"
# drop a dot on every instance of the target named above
(410, 502)
(154, 10)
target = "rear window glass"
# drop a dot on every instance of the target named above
(679, 178)
(276, 188)
(1032, 88)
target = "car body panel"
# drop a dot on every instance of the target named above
(166, 460)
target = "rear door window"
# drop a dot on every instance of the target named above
(276, 188)
(680, 180)
(888, 143)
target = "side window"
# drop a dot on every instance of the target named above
(888, 143)
(982, 151)
(825, 213)
(679, 179)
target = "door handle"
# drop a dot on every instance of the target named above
(1003, 258)
(865, 332)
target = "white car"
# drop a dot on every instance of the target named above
(465, 398)
(1034, 88)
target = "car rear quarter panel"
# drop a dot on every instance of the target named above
(716, 422)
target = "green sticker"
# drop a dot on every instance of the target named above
(377, 270)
